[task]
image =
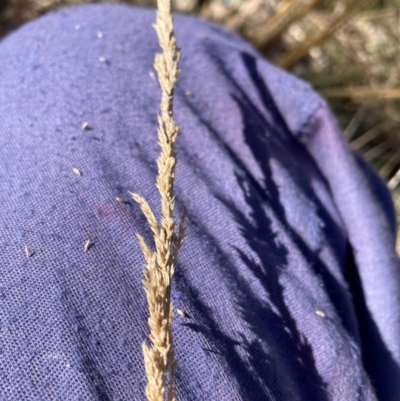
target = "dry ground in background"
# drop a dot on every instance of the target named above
(349, 50)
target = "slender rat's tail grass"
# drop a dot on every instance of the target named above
(159, 360)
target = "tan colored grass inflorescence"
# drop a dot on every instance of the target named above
(159, 360)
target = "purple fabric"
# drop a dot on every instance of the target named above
(288, 276)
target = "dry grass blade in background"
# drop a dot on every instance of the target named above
(287, 12)
(362, 91)
(159, 358)
(296, 54)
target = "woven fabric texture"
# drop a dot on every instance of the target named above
(288, 277)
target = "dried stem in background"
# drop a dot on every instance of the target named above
(362, 91)
(287, 13)
(159, 359)
(294, 55)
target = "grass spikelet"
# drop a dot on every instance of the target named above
(159, 358)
